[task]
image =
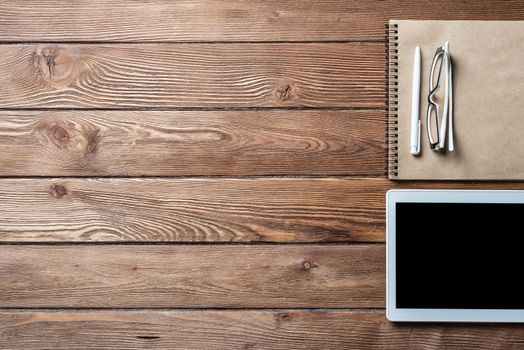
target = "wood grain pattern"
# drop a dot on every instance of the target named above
(194, 276)
(272, 330)
(197, 210)
(175, 143)
(192, 75)
(189, 210)
(208, 20)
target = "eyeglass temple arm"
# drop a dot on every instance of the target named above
(448, 100)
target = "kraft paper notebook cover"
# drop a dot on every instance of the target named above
(488, 99)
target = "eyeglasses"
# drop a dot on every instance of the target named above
(437, 126)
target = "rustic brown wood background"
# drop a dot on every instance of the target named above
(204, 175)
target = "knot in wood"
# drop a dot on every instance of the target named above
(55, 66)
(284, 92)
(282, 318)
(69, 136)
(285, 316)
(59, 135)
(307, 265)
(58, 191)
(91, 140)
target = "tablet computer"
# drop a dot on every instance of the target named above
(455, 256)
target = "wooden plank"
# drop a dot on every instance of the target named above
(272, 330)
(191, 210)
(194, 276)
(174, 143)
(192, 75)
(197, 210)
(208, 20)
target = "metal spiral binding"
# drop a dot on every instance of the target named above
(392, 103)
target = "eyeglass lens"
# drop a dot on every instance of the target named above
(433, 116)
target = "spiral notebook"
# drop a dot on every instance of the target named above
(488, 99)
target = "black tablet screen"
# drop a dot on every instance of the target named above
(460, 255)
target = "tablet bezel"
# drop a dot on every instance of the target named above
(440, 315)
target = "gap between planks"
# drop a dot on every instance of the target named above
(190, 309)
(224, 42)
(194, 109)
(196, 243)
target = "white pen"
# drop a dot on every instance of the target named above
(415, 105)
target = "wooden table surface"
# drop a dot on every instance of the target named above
(205, 175)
